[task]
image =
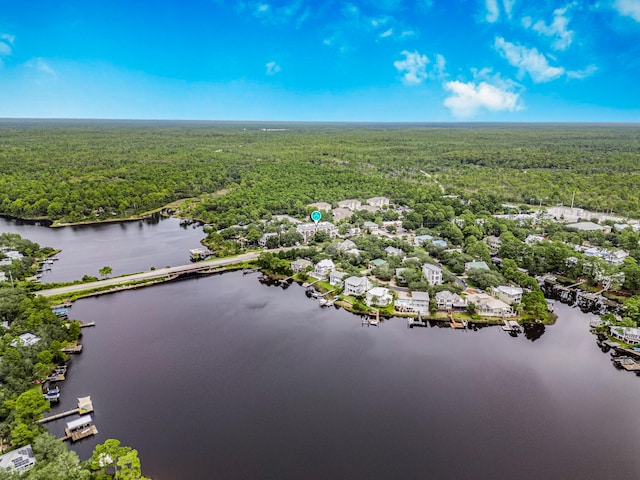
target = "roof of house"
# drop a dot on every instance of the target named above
(420, 296)
(18, 459)
(586, 226)
(511, 291)
(433, 268)
(356, 281)
(378, 292)
(477, 264)
(327, 262)
(378, 262)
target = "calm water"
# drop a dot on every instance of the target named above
(223, 377)
(127, 247)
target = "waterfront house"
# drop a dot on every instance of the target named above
(321, 206)
(300, 265)
(432, 273)
(394, 252)
(488, 306)
(323, 268)
(18, 460)
(478, 265)
(378, 201)
(446, 300)
(341, 214)
(626, 334)
(25, 340)
(418, 302)
(378, 296)
(336, 278)
(351, 203)
(308, 230)
(356, 285)
(508, 294)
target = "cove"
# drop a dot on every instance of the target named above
(224, 377)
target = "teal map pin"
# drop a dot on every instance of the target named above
(316, 216)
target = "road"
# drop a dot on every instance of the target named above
(150, 275)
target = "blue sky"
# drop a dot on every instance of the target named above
(299, 60)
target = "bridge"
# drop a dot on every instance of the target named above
(160, 273)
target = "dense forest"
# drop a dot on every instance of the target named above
(73, 171)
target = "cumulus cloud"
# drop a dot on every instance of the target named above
(528, 60)
(584, 73)
(494, 9)
(468, 99)
(628, 8)
(557, 29)
(276, 15)
(415, 67)
(272, 68)
(6, 46)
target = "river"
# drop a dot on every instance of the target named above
(126, 247)
(224, 377)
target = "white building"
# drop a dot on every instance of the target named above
(488, 306)
(432, 273)
(626, 334)
(341, 213)
(394, 252)
(336, 278)
(420, 240)
(494, 243)
(533, 239)
(263, 240)
(371, 226)
(378, 201)
(356, 285)
(417, 302)
(308, 230)
(26, 340)
(379, 296)
(300, 265)
(345, 246)
(352, 204)
(321, 206)
(18, 460)
(323, 268)
(447, 300)
(507, 294)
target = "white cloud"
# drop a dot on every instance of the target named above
(584, 73)
(8, 38)
(628, 8)
(272, 68)
(528, 60)
(386, 33)
(557, 29)
(467, 99)
(6, 43)
(276, 15)
(414, 67)
(493, 9)
(5, 49)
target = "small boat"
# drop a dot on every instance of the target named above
(53, 395)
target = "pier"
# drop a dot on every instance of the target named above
(88, 324)
(454, 324)
(73, 349)
(84, 406)
(79, 429)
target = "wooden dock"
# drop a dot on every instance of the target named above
(88, 324)
(454, 324)
(84, 406)
(74, 349)
(79, 434)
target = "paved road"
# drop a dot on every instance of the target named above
(158, 273)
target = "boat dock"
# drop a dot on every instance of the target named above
(88, 324)
(418, 322)
(371, 320)
(80, 428)
(455, 324)
(74, 349)
(84, 406)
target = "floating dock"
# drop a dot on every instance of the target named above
(80, 428)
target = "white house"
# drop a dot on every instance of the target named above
(488, 306)
(263, 240)
(507, 294)
(533, 239)
(308, 230)
(341, 213)
(300, 265)
(447, 300)
(18, 460)
(432, 273)
(494, 243)
(356, 285)
(626, 334)
(345, 246)
(420, 302)
(378, 201)
(379, 296)
(615, 257)
(399, 275)
(323, 268)
(336, 278)
(26, 339)
(368, 208)
(352, 204)
(371, 226)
